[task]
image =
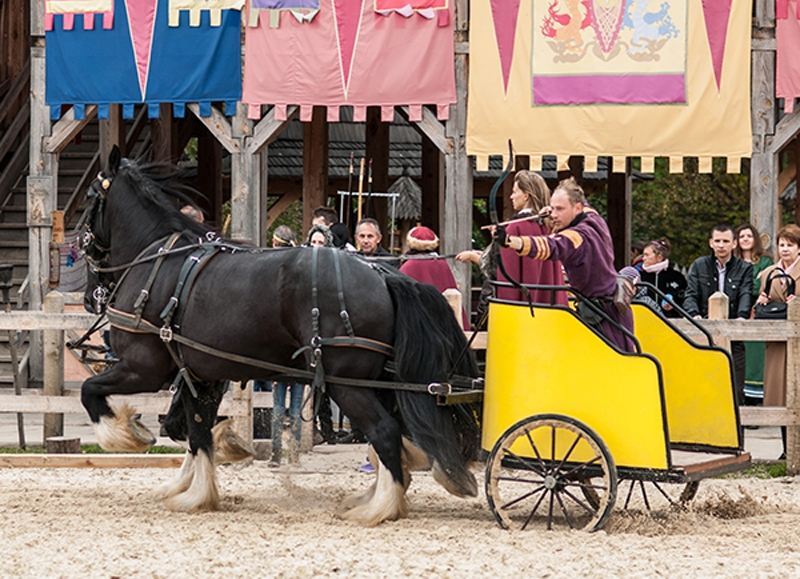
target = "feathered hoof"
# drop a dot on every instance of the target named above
(357, 499)
(202, 493)
(385, 500)
(123, 432)
(461, 486)
(181, 482)
(229, 447)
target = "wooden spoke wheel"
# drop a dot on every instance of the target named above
(541, 470)
(651, 496)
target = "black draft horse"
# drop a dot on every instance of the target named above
(258, 304)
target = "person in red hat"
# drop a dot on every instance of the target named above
(423, 263)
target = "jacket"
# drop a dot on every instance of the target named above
(703, 281)
(670, 281)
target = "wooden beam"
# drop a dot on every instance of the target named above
(786, 130)
(765, 13)
(268, 129)
(315, 165)
(764, 211)
(91, 460)
(33, 320)
(245, 183)
(280, 206)
(789, 172)
(377, 148)
(763, 92)
(767, 416)
(112, 133)
(209, 173)
(164, 134)
(619, 213)
(66, 128)
(432, 184)
(219, 126)
(432, 128)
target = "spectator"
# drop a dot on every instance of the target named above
(722, 271)
(328, 217)
(788, 263)
(637, 247)
(656, 269)
(319, 236)
(749, 248)
(423, 264)
(283, 236)
(368, 238)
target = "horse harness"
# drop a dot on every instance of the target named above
(172, 314)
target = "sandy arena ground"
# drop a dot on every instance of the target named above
(83, 522)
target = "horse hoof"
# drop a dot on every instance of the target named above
(123, 432)
(462, 486)
(202, 493)
(229, 447)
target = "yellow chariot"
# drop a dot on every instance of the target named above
(573, 425)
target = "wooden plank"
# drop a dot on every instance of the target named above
(767, 416)
(765, 44)
(164, 134)
(716, 466)
(268, 129)
(158, 403)
(765, 13)
(31, 320)
(793, 394)
(245, 183)
(91, 460)
(432, 128)
(219, 126)
(66, 128)
(315, 165)
(112, 133)
(9, 137)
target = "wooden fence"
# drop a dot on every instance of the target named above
(54, 401)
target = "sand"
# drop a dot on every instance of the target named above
(84, 522)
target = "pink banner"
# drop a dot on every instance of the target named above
(588, 89)
(350, 55)
(787, 34)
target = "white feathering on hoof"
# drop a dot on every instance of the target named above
(388, 502)
(358, 499)
(229, 447)
(202, 494)
(181, 482)
(123, 432)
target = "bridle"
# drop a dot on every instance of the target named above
(93, 240)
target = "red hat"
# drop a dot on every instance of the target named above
(422, 238)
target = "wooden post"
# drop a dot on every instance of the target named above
(718, 310)
(457, 231)
(165, 136)
(112, 132)
(209, 173)
(619, 213)
(793, 393)
(315, 165)
(432, 184)
(53, 384)
(377, 146)
(245, 182)
(62, 445)
(243, 398)
(42, 184)
(453, 297)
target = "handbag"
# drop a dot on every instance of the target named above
(774, 310)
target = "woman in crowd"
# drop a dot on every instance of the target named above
(749, 248)
(528, 196)
(319, 236)
(779, 290)
(656, 269)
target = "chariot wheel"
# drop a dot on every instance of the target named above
(541, 470)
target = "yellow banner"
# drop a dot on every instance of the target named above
(713, 122)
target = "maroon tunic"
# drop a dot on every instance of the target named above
(433, 272)
(530, 271)
(587, 252)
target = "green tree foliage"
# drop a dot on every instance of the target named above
(683, 207)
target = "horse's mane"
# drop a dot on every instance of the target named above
(160, 186)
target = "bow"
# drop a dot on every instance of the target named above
(496, 220)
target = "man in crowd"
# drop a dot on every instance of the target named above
(328, 217)
(368, 238)
(582, 242)
(730, 275)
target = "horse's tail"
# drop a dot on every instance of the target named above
(428, 342)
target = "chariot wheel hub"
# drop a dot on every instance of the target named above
(549, 482)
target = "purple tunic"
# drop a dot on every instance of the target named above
(587, 253)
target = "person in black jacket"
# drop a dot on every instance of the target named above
(656, 269)
(723, 272)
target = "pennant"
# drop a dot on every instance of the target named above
(504, 16)
(142, 19)
(347, 14)
(717, 13)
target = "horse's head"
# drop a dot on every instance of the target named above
(95, 237)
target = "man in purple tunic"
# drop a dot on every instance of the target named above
(582, 242)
